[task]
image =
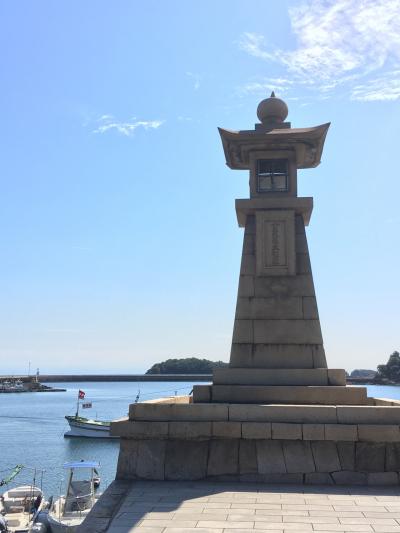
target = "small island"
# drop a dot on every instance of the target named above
(188, 365)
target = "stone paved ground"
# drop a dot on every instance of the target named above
(199, 507)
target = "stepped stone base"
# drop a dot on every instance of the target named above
(248, 394)
(173, 439)
(289, 376)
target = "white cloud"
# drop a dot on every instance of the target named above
(108, 122)
(339, 43)
(196, 79)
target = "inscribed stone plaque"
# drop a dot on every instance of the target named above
(275, 243)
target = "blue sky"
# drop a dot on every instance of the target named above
(119, 241)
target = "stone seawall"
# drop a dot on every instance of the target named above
(261, 460)
(172, 439)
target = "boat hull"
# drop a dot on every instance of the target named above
(87, 428)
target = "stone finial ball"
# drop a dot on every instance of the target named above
(272, 109)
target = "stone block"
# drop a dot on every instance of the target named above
(378, 433)
(392, 457)
(247, 457)
(325, 455)
(298, 457)
(347, 455)
(345, 477)
(127, 459)
(151, 459)
(246, 286)
(188, 412)
(295, 479)
(319, 358)
(190, 430)
(248, 265)
(370, 457)
(341, 432)
(241, 355)
(201, 393)
(303, 264)
(147, 429)
(223, 457)
(249, 244)
(383, 478)
(336, 376)
(228, 430)
(299, 225)
(243, 331)
(283, 430)
(250, 225)
(283, 413)
(368, 414)
(287, 331)
(318, 478)
(186, 460)
(384, 401)
(310, 309)
(273, 356)
(273, 308)
(328, 395)
(275, 243)
(313, 431)
(256, 430)
(301, 244)
(270, 376)
(301, 285)
(270, 459)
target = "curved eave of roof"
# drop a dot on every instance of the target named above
(307, 142)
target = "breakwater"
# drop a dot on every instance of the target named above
(59, 378)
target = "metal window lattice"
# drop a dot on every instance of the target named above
(272, 175)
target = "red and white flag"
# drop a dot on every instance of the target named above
(81, 394)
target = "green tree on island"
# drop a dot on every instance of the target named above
(189, 365)
(390, 371)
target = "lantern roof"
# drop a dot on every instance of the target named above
(273, 134)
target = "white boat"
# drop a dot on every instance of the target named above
(87, 427)
(70, 510)
(20, 506)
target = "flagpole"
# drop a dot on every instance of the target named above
(77, 406)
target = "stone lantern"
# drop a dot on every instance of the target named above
(277, 414)
(277, 353)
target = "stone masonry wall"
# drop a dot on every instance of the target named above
(261, 460)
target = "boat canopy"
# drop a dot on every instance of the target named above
(82, 464)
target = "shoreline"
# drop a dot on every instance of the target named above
(65, 378)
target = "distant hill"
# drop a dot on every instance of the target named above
(363, 373)
(189, 365)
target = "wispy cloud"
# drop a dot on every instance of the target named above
(196, 79)
(350, 44)
(107, 123)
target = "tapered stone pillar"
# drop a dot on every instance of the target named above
(277, 347)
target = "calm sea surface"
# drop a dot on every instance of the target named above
(32, 427)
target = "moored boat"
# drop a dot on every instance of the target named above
(20, 506)
(70, 510)
(87, 427)
(81, 426)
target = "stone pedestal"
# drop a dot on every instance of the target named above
(259, 443)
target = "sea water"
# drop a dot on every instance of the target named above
(32, 427)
